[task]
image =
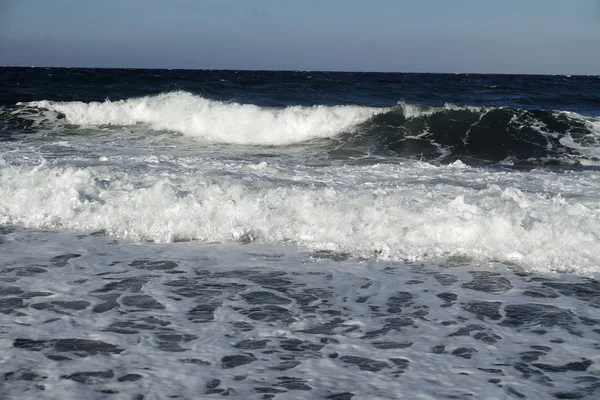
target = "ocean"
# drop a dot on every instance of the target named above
(298, 235)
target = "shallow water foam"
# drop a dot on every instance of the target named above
(387, 212)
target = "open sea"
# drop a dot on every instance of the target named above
(179, 234)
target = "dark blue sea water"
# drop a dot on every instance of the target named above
(316, 235)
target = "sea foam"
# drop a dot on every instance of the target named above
(475, 214)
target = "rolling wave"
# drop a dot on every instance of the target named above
(472, 134)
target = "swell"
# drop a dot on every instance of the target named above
(481, 134)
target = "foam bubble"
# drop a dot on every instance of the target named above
(215, 121)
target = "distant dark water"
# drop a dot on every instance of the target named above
(281, 88)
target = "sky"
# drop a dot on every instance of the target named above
(485, 36)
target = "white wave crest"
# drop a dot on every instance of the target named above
(215, 121)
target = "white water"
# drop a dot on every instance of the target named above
(412, 211)
(215, 121)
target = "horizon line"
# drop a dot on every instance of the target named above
(306, 70)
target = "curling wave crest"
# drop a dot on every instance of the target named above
(214, 121)
(471, 213)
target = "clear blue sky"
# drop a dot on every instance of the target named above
(506, 36)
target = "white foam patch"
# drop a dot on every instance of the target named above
(215, 121)
(411, 211)
(411, 111)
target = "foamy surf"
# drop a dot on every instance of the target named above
(475, 214)
(214, 121)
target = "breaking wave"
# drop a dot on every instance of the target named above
(472, 134)
(214, 121)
